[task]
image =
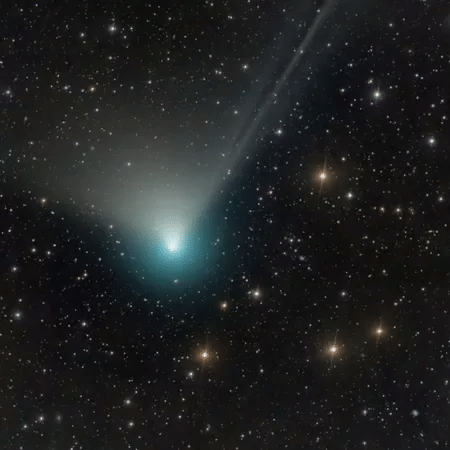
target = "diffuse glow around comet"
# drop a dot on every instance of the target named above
(165, 203)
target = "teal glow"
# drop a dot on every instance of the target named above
(174, 255)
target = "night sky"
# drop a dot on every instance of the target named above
(224, 225)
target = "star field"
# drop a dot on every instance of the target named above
(224, 225)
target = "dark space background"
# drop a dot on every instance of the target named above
(311, 312)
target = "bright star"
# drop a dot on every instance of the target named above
(377, 94)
